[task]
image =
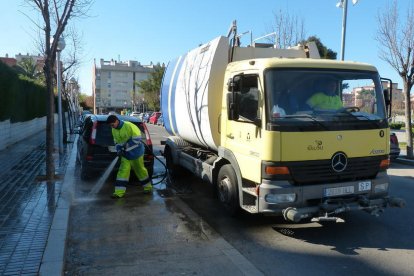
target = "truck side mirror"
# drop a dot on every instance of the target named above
(387, 92)
(233, 84)
(233, 100)
(387, 96)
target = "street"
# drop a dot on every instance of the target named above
(363, 245)
(142, 234)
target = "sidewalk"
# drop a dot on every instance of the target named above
(402, 159)
(27, 206)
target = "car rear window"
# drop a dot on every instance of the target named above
(104, 134)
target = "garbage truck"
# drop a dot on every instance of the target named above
(254, 122)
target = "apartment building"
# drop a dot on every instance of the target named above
(13, 61)
(362, 96)
(114, 85)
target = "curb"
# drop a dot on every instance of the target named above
(54, 254)
(404, 161)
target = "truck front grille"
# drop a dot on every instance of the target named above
(321, 170)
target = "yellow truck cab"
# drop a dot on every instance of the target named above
(279, 131)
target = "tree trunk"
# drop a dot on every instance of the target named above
(50, 121)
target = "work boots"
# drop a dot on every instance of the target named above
(148, 188)
(119, 192)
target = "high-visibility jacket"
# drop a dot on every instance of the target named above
(322, 101)
(128, 136)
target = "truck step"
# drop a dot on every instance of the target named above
(250, 191)
(250, 208)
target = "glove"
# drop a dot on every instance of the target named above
(120, 150)
(119, 147)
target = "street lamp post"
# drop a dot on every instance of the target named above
(61, 45)
(344, 5)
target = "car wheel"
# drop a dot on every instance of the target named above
(227, 189)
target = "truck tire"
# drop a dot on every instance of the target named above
(174, 171)
(227, 189)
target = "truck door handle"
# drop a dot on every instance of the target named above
(230, 136)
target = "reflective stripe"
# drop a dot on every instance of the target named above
(120, 188)
(132, 147)
(146, 180)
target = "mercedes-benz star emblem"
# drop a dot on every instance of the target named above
(339, 162)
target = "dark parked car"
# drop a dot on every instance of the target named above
(96, 149)
(394, 146)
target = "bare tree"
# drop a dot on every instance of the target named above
(55, 16)
(396, 39)
(289, 30)
(71, 63)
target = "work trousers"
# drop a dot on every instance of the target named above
(137, 166)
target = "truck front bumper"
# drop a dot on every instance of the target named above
(324, 201)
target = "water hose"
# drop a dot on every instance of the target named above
(163, 175)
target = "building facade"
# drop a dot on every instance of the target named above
(115, 85)
(38, 60)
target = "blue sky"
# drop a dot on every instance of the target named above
(160, 30)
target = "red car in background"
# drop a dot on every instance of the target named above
(154, 118)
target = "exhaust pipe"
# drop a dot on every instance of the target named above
(296, 215)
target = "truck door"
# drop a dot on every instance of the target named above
(243, 131)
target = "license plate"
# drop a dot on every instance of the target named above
(364, 186)
(111, 148)
(337, 191)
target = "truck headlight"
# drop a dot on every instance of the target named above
(280, 198)
(381, 188)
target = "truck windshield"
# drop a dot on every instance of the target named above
(328, 99)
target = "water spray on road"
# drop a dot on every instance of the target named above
(98, 186)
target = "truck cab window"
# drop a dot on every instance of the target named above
(249, 95)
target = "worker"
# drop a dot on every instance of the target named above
(326, 96)
(130, 148)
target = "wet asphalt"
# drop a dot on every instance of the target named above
(143, 234)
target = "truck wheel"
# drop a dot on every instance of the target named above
(227, 189)
(174, 171)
